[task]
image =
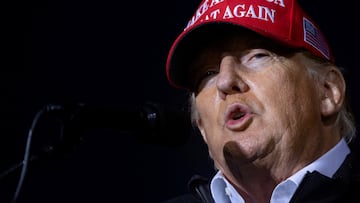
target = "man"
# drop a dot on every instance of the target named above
(270, 103)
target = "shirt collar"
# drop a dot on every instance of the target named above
(327, 164)
(222, 191)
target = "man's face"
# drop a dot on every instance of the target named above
(255, 106)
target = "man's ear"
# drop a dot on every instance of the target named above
(333, 92)
(201, 129)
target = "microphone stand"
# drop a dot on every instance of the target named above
(153, 120)
(49, 150)
(26, 159)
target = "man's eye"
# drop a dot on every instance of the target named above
(259, 55)
(209, 73)
(205, 78)
(256, 56)
(256, 59)
(253, 54)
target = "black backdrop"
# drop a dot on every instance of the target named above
(112, 53)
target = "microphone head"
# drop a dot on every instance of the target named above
(167, 126)
(151, 122)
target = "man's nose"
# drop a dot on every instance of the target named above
(229, 80)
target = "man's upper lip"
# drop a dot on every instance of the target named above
(234, 110)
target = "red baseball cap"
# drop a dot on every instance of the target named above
(281, 20)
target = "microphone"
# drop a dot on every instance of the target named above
(152, 123)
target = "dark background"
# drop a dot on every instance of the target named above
(112, 53)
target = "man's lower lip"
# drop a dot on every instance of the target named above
(239, 124)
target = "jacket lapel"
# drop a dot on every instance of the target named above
(318, 188)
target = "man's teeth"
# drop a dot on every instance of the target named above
(238, 115)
